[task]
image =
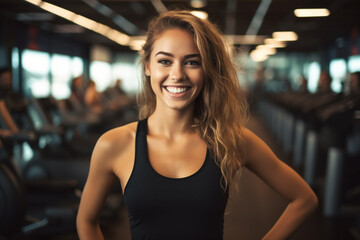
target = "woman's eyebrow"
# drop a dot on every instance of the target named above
(192, 55)
(164, 53)
(171, 55)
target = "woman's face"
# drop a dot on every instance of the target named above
(175, 70)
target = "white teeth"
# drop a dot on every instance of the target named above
(176, 89)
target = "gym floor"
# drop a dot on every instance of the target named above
(251, 210)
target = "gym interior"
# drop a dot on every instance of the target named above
(68, 76)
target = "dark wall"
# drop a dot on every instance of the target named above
(343, 47)
(25, 36)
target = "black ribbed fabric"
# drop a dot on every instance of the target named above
(166, 208)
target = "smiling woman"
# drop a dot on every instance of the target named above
(175, 68)
(177, 163)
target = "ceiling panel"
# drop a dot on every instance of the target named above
(312, 32)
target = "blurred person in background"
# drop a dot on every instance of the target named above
(7, 92)
(324, 84)
(5, 82)
(92, 98)
(78, 89)
(303, 84)
(118, 86)
(354, 83)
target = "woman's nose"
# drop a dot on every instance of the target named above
(177, 72)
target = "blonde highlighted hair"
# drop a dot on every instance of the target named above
(221, 109)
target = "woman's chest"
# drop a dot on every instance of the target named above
(176, 159)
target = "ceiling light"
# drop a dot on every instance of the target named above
(35, 2)
(266, 49)
(112, 34)
(245, 39)
(198, 3)
(62, 12)
(159, 6)
(136, 44)
(285, 36)
(118, 37)
(85, 22)
(311, 12)
(200, 14)
(258, 56)
(274, 43)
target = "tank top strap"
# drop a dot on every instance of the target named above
(142, 127)
(140, 154)
(140, 141)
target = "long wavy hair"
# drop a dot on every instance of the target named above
(220, 109)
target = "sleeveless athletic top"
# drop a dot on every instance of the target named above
(163, 208)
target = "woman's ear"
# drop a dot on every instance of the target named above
(147, 69)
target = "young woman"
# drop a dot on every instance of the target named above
(177, 163)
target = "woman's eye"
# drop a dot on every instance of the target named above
(192, 63)
(164, 62)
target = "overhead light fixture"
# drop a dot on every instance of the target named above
(311, 12)
(245, 39)
(137, 42)
(62, 12)
(266, 49)
(274, 43)
(258, 56)
(35, 2)
(285, 36)
(159, 6)
(200, 14)
(198, 3)
(92, 25)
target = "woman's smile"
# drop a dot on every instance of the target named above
(177, 91)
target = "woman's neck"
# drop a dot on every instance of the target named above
(171, 123)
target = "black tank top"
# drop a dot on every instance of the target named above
(165, 208)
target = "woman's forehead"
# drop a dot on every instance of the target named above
(175, 40)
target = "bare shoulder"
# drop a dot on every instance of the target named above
(248, 135)
(251, 139)
(254, 146)
(115, 143)
(118, 137)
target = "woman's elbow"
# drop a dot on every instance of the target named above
(311, 202)
(80, 221)
(315, 202)
(83, 221)
(87, 228)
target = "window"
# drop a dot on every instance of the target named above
(77, 66)
(128, 73)
(36, 65)
(337, 73)
(100, 73)
(61, 71)
(354, 63)
(313, 74)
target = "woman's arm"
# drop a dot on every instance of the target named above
(100, 181)
(284, 180)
